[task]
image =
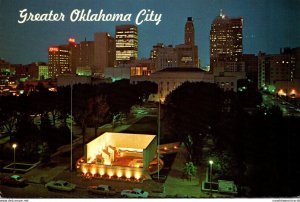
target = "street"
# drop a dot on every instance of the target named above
(287, 108)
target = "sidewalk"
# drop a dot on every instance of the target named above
(176, 185)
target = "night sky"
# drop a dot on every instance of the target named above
(268, 24)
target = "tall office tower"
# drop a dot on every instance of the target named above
(105, 54)
(189, 32)
(226, 40)
(126, 43)
(74, 54)
(86, 54)
(58, 60)
(188, 52)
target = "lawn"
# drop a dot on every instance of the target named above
(146, 125)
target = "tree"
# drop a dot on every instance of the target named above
(144, 89)
(8, 114)
(80, 107)
(189, 170)
(98, 111)
(122, 96)
(44, 152)
(191, 112)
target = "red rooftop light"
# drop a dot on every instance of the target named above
(72, 40)
(53, 49)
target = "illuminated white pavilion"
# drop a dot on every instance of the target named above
(119, 155)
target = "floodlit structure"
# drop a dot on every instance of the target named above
(119, 155)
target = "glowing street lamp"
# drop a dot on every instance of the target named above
(210, 176)
(14, 147)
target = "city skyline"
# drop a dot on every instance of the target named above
(265, 25)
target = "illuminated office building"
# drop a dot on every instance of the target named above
(126, 43)
(58, 60)
(226, 40)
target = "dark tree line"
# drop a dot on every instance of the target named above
(192, 111)
(252, 145)
(93, 105)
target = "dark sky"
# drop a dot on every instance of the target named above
(268, 24)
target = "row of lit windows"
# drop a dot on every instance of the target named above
(126, 42)
(126, 36)
(126, 31)
(122, 52)
(126, 46)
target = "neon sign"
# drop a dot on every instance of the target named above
(53, 49)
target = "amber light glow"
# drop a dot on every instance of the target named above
(71, 40)
(128, 174)
(53, 49)
(110, 173)
(101, 171)
(293, 92)
(137, 175)
(93, 171)
(281, 92)
(84, 170)
(119, 173)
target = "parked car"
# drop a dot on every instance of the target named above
(13, 180)
(102, 190)
(60, 185)
(134, 193)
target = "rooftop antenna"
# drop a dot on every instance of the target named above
(222, 14)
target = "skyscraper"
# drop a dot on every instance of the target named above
(105, 54)
(126, 43)
(189, 32)
(86, 57)
(226, 40)
(187, 53)
(59, 60)
(74, 54)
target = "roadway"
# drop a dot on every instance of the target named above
(287, 108)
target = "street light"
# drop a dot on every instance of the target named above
(210, 176)
(158, 139)
(14, 147)
(71, 129)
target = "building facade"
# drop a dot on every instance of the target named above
(163, 56)
(273, 68)
(105, 53)
(226, 40)
(251, 67)
(188, 53)
(169, 79)
(59, 60)
(126, 43)
(182, 55)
